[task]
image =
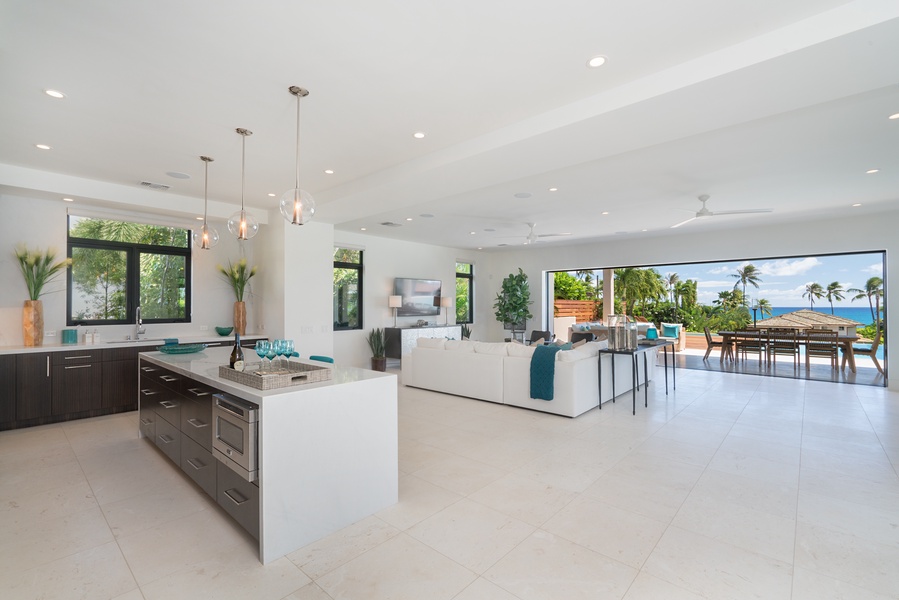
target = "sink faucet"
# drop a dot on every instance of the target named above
(139, 328)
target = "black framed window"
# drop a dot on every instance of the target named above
(347, 289)
(464, 292)
(120, 265)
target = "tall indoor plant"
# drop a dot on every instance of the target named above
(378, 352)
(38, 268)
(512, 302)
(238, 276)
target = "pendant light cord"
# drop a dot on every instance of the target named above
(243, 167)
(298, 143)
(205, 192)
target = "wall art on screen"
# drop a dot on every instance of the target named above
(421, 297)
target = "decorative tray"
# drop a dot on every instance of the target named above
(181, 348)
(297, 373)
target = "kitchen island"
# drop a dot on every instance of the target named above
(327, 451)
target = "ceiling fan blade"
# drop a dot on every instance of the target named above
(742, 212)
(553, 234)
(684, 222)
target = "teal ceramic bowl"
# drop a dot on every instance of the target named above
(223, 331)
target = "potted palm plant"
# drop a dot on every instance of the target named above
(238, 276)
(376, 344)
(38, 268)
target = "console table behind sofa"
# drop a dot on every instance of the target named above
(399, 341)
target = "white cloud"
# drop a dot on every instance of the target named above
(728, 285)
(721, 271)
(875, 269)
(789, 267)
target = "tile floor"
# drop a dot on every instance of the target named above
(732, 487)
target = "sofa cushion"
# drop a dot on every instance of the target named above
(573, 355)
(498, 349)
(459, 346)
(436, 343)
(521, 351)
(578, 344)
(671, 330)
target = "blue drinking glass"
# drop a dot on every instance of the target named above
(272, 353)
(262, 349)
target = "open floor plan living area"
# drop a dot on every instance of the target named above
(731, 487)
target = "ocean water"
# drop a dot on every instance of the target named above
(860, 313)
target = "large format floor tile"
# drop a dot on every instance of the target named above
(730, 487)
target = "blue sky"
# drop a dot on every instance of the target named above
(783, 280)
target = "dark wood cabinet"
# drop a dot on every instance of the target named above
(120, 379)
(7, 390)
(33, 386)
(77, 388)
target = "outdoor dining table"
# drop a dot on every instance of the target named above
(845, 342)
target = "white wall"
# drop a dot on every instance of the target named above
(41, 223)
(873, 232)
(385, 259)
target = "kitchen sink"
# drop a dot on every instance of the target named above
(135, 341)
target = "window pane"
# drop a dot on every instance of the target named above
(162, 286)
(346, 298)
(347, 255)
(463, 268)
(463, 310)
(98, 284)
(131, 233)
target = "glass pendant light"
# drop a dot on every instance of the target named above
(242, 224)
(206, 237)
(297, 206)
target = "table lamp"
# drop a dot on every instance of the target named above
(446, 302)
(394, 302)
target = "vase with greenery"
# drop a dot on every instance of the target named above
(238, 276)
(38, 268)
(466, 331)
(512, 302)
(378, 352)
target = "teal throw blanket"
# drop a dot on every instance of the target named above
(543, 371)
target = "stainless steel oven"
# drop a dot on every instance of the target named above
(234, 435)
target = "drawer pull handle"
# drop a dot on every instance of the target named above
(193, 462)
(148, 392)
(197, 423)
(79, 367)
(167, 404)
(235, 500)
(147, 369)
(168, 378)
(146, 422)
(166, 439)
(197, 392)
(77, 357)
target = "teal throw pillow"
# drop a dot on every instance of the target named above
(670, 330)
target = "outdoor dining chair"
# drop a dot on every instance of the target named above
(867, 350)
(821, 343)
(750, 341)
(783, 341)
(710, 343)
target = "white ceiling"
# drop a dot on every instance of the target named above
(760, 104)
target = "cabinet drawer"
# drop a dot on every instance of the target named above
(169, 379)
(168, 439)
(199, 464)
(196, 421)
(147, 422)
(238, 497)
(76, 357)
(168, 406)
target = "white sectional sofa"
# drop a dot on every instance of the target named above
(500, 372)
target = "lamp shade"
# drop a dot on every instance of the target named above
(394, 301)
(446, 301)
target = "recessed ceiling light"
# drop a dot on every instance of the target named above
(54, 93)
(872, 171)
(68, 199)
(271, 195)
(42, 146)
(644, 230)
(894, 117)
(605, 212)
(480, 248)
(856, 204)
(471, 233)
(554, 189)
(177, 174)
(362, 229)
(329, 171)
(198, 218)
(408, 218)
(418, 135)
(522, 195)
(596, 61)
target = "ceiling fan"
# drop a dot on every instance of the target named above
(533, 236)
(705, 212)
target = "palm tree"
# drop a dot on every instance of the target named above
(764, 305)
(748, 274)
(671, 281)
(813, 291)
(834, 292)
(873, 289)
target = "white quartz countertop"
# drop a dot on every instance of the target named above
(109, 344)
(204, 367)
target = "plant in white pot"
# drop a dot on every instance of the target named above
(38, 268)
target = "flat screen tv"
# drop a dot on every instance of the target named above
(421, 297)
